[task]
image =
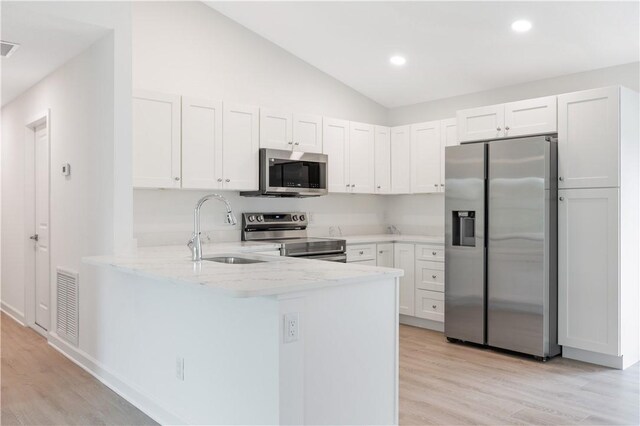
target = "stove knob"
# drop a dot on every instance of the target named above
(302, 217)
(260, 218)
(251, 218)
(294, 217)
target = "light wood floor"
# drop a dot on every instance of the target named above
(42, 387)
(440, 383)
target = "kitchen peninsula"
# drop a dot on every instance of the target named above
(278, 341)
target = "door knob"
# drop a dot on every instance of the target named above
(34, 237)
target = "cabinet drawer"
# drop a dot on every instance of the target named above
(430, 305)
(430, 275)
(427, 252)
(359, 252)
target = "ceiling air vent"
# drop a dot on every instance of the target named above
(7, 48)
(67, 298)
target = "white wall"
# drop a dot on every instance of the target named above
(190, 49)
(625, 75)
(80, 97)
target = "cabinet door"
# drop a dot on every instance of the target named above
(482, 123)
(448, 137)
(307, 133)
(588, 269)
(588, 148)
(335, 144)
(156, 140)
(401, 160)
(430, 305)
(425, 157)
(276, 129)
(404, 259)
(385, 255)
(382, 170)
(361, 158)
(430, 275)
(240, 140)
(531, 117)
(201, 143)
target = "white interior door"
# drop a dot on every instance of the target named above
(41, 226)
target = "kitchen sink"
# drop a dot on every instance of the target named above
(233, 260)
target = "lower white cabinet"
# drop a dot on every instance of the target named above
(588, 270)
(361, 253)
(384, 257)
(429, 275)
(404, 258)
(430, 305)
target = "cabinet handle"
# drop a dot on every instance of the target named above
(353, 185)
(227, 180)
(434, 276)
(361, 253)
(219, 179)
(379, 187)
(348, 185)
(442, 185)
(561, 198)
(499, 128)
(506, 128)
(297, 143)
(434, 253)
(290, 142)
(435, 184)
(176, 178)
(560, 178)
(381, 252)
(433, 306)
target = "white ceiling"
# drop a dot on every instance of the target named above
(46, 43)
(452, 48)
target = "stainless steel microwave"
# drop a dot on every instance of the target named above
(290, 174)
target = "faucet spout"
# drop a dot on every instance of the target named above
(195, 244)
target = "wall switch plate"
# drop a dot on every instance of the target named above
(291, 327)
(180, 368)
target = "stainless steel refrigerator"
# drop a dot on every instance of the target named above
(501, 244)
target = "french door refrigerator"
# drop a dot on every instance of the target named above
(501, 244)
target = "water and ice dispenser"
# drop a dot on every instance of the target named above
(464, 228)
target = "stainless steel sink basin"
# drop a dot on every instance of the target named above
(232, 260)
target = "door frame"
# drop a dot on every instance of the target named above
(29, 208)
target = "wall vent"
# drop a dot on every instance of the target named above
(67, 297)
(7, 48)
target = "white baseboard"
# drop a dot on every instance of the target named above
(13, 313)
(422, 323)
(115, 382)
(610, 361)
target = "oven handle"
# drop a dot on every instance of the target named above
(341, 257)
(312, 253)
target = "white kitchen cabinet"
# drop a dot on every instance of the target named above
(335, 144)
(201, 143)
(361, 158)
(240, 141)
(276, 129)
(156, 140)
(307, 133)
(384, 257)
(287, 131)
(401, 160)
(361, 252)
(448, 137)
(588, 138)
(480, 123)
(404, 258)
(382, 169)
(425, 157)
(429, 305)
(588, 262)
(429, 275)
(530, 117)
(527, 117)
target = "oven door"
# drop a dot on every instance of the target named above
(288, 173)
(335, 257)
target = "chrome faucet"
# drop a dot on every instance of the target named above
(194, 243)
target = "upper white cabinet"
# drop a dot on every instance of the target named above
(336, 145)
(382, 169)
(448, 137)
(156, 140)
(361, 157)
(588, 138)
(240, 141)
(528, 117)
(426, 156)
(401, 160)
(588, 265)
(201, 143)
(284, 130)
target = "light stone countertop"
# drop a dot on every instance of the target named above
(278, 275)
(393, 238)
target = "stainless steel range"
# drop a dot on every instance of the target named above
(290, 231)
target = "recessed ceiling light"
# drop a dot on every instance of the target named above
(521, 26)
(7, 48)
(398, 60)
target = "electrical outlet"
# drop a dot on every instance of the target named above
(180, 368)
(291, 327)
